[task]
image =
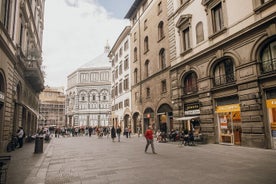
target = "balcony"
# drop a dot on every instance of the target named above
(34, 74)
(224, 79)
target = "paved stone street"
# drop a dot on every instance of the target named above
(84, 160)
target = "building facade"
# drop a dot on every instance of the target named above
(150, 65)
(88, 94)
(52, 107)
(223, 68)
(21, 76)
(120, 85)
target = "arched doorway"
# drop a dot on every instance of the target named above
(127, 122)
(149, 118)
(137, 126)
(165, 115)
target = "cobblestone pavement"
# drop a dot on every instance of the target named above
(90, 160)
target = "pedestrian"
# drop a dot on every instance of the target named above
(149, 138)
(113, 133)
(90, 129)
(118, 131)
(126, 132)
(20, 135)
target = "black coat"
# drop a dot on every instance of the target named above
(113, 133)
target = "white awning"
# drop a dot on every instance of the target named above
(186, 118)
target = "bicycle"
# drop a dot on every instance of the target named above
(12, 144)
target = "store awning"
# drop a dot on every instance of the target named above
(186, 118)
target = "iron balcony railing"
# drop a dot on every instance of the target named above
(224, 79)
(269, 65)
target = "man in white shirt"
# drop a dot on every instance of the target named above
(20, 135)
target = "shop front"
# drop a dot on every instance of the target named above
(229, 124)
(271, 108)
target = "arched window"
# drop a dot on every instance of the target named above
(199, 32)
(190, 83)
(268, 57)
(162, 58)
(224, 72)
(135, 54)
(161, 30)
(146, 44)
(145, 24)
(146, 68)
(135, 75)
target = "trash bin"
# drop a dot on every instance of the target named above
(39, 144)
(4, 160)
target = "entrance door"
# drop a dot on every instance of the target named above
(229, 128)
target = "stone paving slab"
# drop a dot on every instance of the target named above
(81, 160)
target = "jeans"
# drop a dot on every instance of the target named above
(118, 135)
(150, 142)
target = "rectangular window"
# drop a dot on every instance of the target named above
(217, 18)
(126, 66)
(186, 39)
(148, 92)
(164, 86)
(126, 45)
(120, 88)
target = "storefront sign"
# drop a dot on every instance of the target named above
(228, 108)
(2, 97)
(271, 103)
(192, 112)
(189, 107)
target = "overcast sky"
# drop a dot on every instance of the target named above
(76, 31)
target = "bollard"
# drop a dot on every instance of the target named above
(39, 144)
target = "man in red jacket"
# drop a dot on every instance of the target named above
(149, 137)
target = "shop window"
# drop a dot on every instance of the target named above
(190, 83)
(268, 57)
(224, 72)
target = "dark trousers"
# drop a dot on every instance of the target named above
(20, 142)
(150, 142)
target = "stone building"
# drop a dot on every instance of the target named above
(120, 85)
(88, 93)
(150, 64)
(52, 107)
(223, 68)
(21, 76)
